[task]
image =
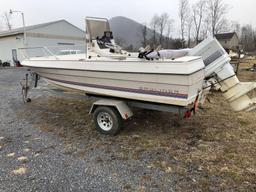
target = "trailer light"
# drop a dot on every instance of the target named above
(187, 114)
(126, 116)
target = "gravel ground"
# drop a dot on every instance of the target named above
(51, 144)
(36, 160)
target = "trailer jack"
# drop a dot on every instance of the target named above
(24, 89)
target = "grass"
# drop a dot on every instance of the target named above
(213, 151)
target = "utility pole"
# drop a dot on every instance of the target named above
(24, 26)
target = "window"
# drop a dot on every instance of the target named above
(66, 43)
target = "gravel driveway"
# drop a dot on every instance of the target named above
(36, 160)
(51, 144)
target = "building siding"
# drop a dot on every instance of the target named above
(6, 46)
(61, 28)
(230, 43)
(52, 36)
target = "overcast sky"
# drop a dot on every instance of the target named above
(74, 11)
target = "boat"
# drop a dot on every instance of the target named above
(174, 81)
(107, 70)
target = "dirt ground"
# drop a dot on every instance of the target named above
(212, 151)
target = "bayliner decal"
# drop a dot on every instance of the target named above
(160, 91)
(139, 90)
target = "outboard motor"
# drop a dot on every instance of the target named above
(220, 73)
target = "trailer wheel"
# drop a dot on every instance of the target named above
(107, 120)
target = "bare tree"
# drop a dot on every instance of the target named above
(189, 29)
(153, 24)
(7, 20)
(169, 29)
(217, 10)
(205, 28)
(198, 10)
(236, 27)
(144, 34)
(162, 23)
(254, 39)
(183, 15)
(224, 26)
(248, 38)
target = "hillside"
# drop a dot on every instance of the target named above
(128, 30)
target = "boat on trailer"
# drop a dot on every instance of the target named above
(164, 80)
(106, 70)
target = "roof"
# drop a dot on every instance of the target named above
(20, 29)
(225, 36)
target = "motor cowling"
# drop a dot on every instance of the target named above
(219, 70)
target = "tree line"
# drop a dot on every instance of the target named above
(5, 22)
(197, 21)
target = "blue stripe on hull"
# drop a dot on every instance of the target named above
(141, 91)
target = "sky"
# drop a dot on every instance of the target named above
(74, 11)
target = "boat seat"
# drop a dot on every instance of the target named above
(143, 52)
(105, 41)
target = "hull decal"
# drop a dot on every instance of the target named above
(131, 90)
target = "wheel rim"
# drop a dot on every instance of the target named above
(105, 121)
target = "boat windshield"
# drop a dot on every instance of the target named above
(46, 51)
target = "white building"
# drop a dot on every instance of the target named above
(57, 36)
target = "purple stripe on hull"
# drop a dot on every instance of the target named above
(142, 91)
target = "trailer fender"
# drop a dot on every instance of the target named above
(121, 106)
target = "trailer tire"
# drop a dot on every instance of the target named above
(107, 120)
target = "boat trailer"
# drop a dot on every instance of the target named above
(109, 113)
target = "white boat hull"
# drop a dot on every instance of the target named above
(145, 82)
